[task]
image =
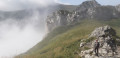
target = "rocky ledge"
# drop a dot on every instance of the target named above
(109, 44)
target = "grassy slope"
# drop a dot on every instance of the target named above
(64, 41)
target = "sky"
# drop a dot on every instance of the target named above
(23, 4)
(103, 2)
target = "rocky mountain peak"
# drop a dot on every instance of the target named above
(87, 4)
(90, 9)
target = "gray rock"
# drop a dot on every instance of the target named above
(86, 52)
(58, 18)
(103, 52)
(82, 44)
(86, 5)
(87, 56)
(97, 13)
(103, 31)
(118, 7)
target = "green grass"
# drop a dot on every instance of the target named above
(64, 41)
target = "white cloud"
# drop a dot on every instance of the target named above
(10, 5)
(15, 39)
(57, 1)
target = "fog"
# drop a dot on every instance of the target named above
(19, 35)
(14, 40)
(11, 5)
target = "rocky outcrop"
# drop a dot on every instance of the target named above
(58, 18)
(99, 13)
(103, 31)
(108, 47)
(87, 10)
(118, 7)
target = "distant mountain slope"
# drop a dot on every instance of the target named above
(63, 42)
(86, 10)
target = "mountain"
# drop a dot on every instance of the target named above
(86, 5)
(86, 10)
(67, 29)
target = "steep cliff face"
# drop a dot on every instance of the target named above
(87, 10)
(58, 18)
(118, 7)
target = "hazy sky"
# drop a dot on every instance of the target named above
(103, 2)
(22, 4)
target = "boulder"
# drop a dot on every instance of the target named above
(105, 36)
(82, 44)
(83, 53)
(103, 31)
(87, 56)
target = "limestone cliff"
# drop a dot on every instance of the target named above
(118, 7)
(86, 10)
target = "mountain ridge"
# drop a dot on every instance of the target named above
(86, 10)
